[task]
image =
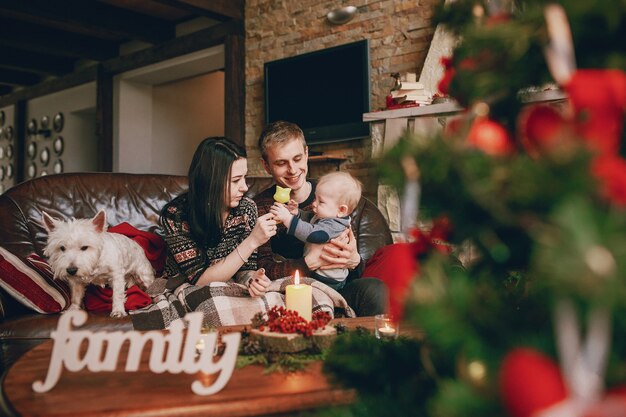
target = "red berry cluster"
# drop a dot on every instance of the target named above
(281, 320)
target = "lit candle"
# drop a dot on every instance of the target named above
(299, 298)
(385, 327)
(387, 331)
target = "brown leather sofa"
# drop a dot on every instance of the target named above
(133, 198)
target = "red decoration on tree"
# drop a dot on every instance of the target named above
(610, 170)
(599, 100)
(490, 137)
(448, 74)
(614, 405)
(397, 265)
(530, 381)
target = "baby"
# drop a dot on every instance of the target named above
(336, 196)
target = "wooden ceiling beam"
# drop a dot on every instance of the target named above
(90, 18)
(217, 9)
(50, 86)
(44, 64)
(18, 78)
(54, 42)
(196, 41)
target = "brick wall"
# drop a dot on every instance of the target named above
(399, 34)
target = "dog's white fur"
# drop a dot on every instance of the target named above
(82, 252)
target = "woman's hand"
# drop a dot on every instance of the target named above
(264, 229)
(258, 283)
(341, 252)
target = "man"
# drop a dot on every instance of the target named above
(285, 157)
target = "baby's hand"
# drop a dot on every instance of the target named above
(292, 206)
(281, 213)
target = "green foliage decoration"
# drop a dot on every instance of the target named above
(535, 226)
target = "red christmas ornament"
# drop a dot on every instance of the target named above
(498, 19)
(490, 137)
(542, 129)
(530, 381)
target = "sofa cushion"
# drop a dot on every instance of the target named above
(32, 284)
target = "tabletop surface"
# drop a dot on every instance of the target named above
(143, 393)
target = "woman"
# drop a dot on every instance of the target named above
(212, 231)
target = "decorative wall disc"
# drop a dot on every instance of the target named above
(43, 173)
(32, 127)
(58, 145)
(57, 122)
(58, 167)
(32, 170)
(9, 151)
(8, 133)
(44, 157)
(1, 173)
(31, 150)
(10, 171)
(45, 122)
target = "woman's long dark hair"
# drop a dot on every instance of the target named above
(209, 175)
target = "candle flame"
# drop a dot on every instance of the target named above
(296, 278)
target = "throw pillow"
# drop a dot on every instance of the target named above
(31, 282)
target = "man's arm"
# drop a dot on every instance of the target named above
(342, 252)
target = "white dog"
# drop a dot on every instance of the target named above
(82, 252)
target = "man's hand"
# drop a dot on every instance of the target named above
(292, 206)
(340, 252)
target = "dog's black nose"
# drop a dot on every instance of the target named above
(72, 270)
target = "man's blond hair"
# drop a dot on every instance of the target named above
(277, 133)
(348, 188)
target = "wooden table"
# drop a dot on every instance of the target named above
(249, 392)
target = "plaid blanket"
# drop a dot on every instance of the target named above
(225, 303)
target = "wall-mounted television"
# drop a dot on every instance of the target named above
(324, 92)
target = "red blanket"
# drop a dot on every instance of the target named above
(98, 299)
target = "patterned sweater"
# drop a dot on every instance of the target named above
(184, 256)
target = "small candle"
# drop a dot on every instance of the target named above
(387, 332)
(385, 328)
(299, 297)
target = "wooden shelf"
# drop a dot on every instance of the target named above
(453, 107)
(328, 158)
(429, 110)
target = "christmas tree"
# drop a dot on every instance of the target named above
(532, 198)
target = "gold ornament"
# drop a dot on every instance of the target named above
(474, 372)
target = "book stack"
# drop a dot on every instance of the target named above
(411, 93)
